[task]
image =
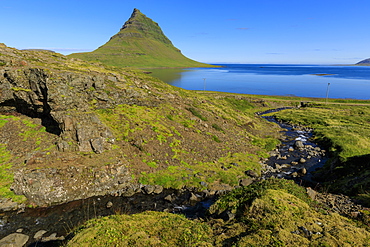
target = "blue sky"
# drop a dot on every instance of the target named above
(218, 31)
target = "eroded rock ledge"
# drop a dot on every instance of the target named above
(63, 102)
(50, 186)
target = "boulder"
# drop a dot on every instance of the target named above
(38, 235)
(245, 181)
(52, 97)
(298, 144)
(303, 171)
(14, 240)
(252, 174)
(50, 186)
(302, 160)
(311, 193)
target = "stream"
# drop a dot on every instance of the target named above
(295, 158)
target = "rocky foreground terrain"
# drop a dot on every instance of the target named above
(72, 129)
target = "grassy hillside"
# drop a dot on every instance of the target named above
(140, 43)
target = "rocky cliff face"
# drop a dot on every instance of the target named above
(61, 101)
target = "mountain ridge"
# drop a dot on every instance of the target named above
(140, 43)
(364, 62)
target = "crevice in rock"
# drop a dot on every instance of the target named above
(17, 105)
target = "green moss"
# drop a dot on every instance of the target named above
(196, 113)
(216, 139)
(281, 218)
(267, 143)
(17, 89)
(277, 212)
(6, 176)
(145, 229)
(227, 170)
(216, 127)
(239, 104)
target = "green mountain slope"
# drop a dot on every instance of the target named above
(139, 43)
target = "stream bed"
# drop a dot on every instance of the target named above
(295, 158)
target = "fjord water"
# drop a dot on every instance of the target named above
(346, 82)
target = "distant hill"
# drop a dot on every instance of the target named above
(139, 43)
(364, 62)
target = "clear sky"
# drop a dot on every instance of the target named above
(212, 31)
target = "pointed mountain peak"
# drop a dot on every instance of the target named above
(138, 25)
(140, 43)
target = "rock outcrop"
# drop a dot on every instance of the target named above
(62, 101)
(50, 186)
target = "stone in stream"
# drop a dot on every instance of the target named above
(194, 197)
(52, 237)
(15, 240)
(169, 198)
(38, 235)
(109, 204)
(299, 144)
(302, 160)
(291, 149)
(303, 171)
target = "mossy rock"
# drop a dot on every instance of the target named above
(284, 220)
(277, 212)
(144, 229)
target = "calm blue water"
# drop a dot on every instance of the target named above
(351, 82)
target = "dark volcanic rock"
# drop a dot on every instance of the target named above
(62, 102)
(49, 186)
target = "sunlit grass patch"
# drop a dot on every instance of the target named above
(144, 229)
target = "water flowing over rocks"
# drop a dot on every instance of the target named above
(297, 156)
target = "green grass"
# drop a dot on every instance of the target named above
(211, 172)
(145, 229)
(6, 176)
(268, 213)
(345, 129)
(196, 113)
